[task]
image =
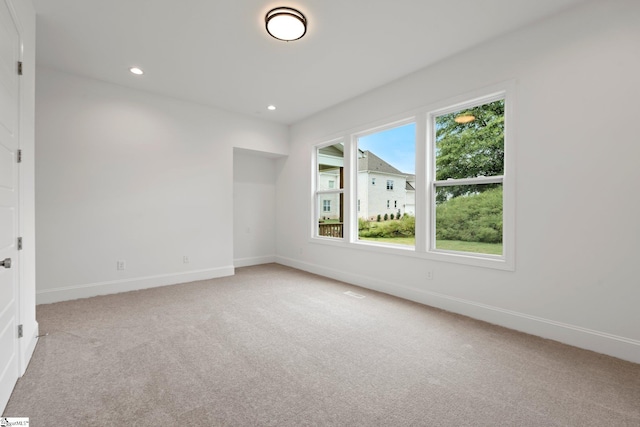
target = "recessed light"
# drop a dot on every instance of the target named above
(137, 71)
(271, 107)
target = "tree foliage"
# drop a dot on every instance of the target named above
(469, 150)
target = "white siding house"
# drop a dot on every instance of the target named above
(383, 189)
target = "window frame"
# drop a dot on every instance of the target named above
(423, 118)
(506, 260)
(318, 193)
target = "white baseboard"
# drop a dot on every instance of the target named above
(26, 350)
(48, 296)
(248, 262)
(601, 342)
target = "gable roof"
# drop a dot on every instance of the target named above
(372, 163)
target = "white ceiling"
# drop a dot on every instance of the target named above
(217, 52)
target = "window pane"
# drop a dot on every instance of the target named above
(470, 142)
(330, 215)
(386, 185)
(330, 166)
(470, 221)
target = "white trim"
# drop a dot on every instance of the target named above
(66, 293)
(425, 173)
(577, 336)
(498, 179)
(27, 349)
(249, 261)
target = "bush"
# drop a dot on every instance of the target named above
(391, 217)
(379, 218)
(472, 218)
(386, 217)
(397, 228)
(363, 224)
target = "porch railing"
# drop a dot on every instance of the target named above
(330, 229)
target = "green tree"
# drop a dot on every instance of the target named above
(470, 149)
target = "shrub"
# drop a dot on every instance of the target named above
(386, 217)
(379, 218)
(471, 218)
(391, 216)
(363, 224)
(397, 228)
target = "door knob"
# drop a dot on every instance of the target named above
(6, 263)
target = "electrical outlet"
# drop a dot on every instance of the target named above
(185, 259)
(121, 264)
(429, 275)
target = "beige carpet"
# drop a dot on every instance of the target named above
(273, 346)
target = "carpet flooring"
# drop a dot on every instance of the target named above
(274, 346)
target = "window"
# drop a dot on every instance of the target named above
(456, 191)
(387, 154)
(329, 199)
(468, 148)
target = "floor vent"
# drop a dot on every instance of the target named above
(353, 294)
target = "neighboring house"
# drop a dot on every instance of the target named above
(383, 189)
(410, 201)
(331, 161)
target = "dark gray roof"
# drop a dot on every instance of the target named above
(371, 162)
(409, 187)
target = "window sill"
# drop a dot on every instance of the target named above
(474, 260)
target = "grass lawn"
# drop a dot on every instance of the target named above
(450, 245)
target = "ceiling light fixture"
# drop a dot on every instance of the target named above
(271, 107)
(137, 71)
(464, 118)
(285, 23)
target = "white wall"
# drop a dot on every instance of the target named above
(578, 206)
(254, 208)
(127, 175)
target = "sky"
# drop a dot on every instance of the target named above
(396, 146)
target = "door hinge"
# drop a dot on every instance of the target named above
(19, 243)
(19, 156)
(19, 68)
(19, 331)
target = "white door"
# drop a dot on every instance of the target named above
(9, 142)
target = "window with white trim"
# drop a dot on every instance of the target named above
(467, 146)
(448, 168)
(329, 203)
(388, 153)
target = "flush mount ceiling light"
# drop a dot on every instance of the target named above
(137, 71)
(464, 118)
(285, 23)
(271, 107)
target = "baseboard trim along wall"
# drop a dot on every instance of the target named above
(601, 342)
(133, 284)
(28, 348)
(248, 262)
